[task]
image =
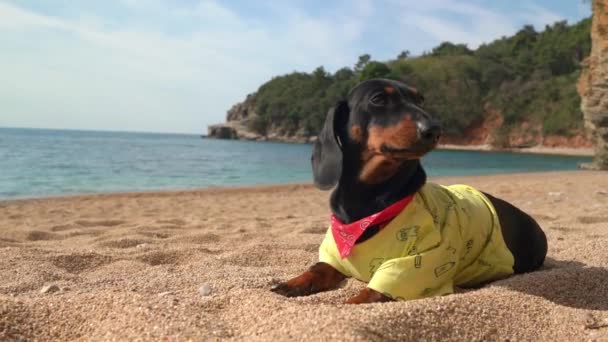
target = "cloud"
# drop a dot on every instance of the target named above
(159, 65)
(540, 16)
(95, 76)
(466, 22)
(16, 18)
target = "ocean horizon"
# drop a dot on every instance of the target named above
(50, 162)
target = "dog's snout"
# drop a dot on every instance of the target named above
(429, 132)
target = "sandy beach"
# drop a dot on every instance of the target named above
(199, 264)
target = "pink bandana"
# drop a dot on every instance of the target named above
(345, 235)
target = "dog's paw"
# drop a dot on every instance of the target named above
(293, 290)
(302, 285)
(320, 277)
(368, 295)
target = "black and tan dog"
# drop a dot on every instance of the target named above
(370, 146)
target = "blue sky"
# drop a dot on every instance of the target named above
(178, 65)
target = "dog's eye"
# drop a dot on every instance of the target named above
(378, 99)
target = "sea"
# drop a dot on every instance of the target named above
(44, 162)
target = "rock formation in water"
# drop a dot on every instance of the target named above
(238, 122)
(593, 86)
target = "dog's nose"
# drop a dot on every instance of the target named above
(429, 132)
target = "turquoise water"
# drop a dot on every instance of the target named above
(36, 163)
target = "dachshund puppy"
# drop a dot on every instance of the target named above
(405, 237)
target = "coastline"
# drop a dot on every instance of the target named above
(268, 188)
(261, 188)
(564, 151)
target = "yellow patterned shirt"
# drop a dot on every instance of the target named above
(447, 236)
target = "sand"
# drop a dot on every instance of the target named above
(199, 264)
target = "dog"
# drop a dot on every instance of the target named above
(406, 237)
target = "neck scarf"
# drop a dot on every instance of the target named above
(345, 235)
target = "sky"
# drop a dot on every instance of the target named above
(179, 65)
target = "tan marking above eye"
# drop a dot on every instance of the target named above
(389, 89)
(356, 133)
(412, 89)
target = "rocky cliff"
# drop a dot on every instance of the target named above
(593, 86)
(517, 91)
(240, 120)
(486, 132)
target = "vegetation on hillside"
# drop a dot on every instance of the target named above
(529, 77)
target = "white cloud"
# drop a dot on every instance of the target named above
(458, 21)
(540, 16)
(79, 73)
(155, 66)
(16, 18)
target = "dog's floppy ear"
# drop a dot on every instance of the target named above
(327, 151)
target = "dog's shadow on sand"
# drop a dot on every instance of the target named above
(568, 283)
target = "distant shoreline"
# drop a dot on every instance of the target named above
(185, 162)
(254, 189)
(564, 151)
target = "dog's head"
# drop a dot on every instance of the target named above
(373, 135)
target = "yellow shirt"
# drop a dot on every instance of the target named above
(446, 236)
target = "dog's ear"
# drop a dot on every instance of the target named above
(327, 151)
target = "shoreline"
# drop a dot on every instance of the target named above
(261, 188)
(563, 151)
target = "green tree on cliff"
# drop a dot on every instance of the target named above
(529, 77)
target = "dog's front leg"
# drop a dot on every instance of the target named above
(368, 295)
(320, 277)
